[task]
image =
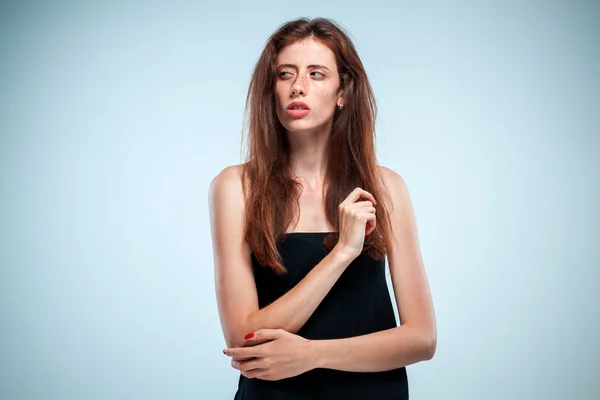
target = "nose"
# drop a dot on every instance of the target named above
(298, 87)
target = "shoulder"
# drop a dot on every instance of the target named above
(229, 177)
(394, 186)
(228, 174)
(388, 175)
(227, 185)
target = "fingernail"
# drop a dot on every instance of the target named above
(248, 336)
(224, 352)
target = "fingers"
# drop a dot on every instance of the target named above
(260, 373)
(357, 194)
(247, 365)
(371, 224)
(268, 334)
(252, 346)
(366, 206)
(255, 342)
(359, 204)
(357, 207)
(250, 369)
(244, 352)
(363, 210)
(243, 358)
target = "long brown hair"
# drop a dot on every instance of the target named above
(270, 190)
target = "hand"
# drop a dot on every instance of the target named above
(357, 220)
(283, 356)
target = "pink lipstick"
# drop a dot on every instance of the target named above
(297, 109)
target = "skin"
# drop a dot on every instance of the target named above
(274, 353)
(319, 87)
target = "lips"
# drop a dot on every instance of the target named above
(297, 105)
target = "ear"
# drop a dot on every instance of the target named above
(340, 100)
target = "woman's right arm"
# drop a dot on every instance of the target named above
(235, 288)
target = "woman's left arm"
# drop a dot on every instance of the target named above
(415, 340)
(374, 352)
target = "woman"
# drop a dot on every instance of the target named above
(300, 233)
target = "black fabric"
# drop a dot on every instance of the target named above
(359, 303)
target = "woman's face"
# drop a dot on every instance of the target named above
(307, 73)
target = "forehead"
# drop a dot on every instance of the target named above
(306, 52)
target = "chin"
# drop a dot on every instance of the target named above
(299, 125)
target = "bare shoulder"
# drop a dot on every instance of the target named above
(226, 204)
(229, 180)
(394, 187)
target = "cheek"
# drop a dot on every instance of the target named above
(280, 97)
(327, 97)
(327, 103)
(279, 104)
(283, 88)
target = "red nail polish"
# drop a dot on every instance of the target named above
(248, 336)
(224, 352)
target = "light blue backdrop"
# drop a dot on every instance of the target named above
(115, 117)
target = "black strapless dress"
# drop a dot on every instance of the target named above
(359, 303)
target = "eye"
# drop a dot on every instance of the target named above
(283, 72)
(317, 72)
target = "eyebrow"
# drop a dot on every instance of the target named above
(296, 67)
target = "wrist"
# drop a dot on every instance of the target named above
(315, 353)
(343, 255)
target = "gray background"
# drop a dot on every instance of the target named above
(115, 117)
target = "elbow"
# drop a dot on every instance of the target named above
(235, 338)
(430, 350)
(429, 346)
(425, 339)
(235, 335)
(238, 339)
(236, 342)
(232, 342)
